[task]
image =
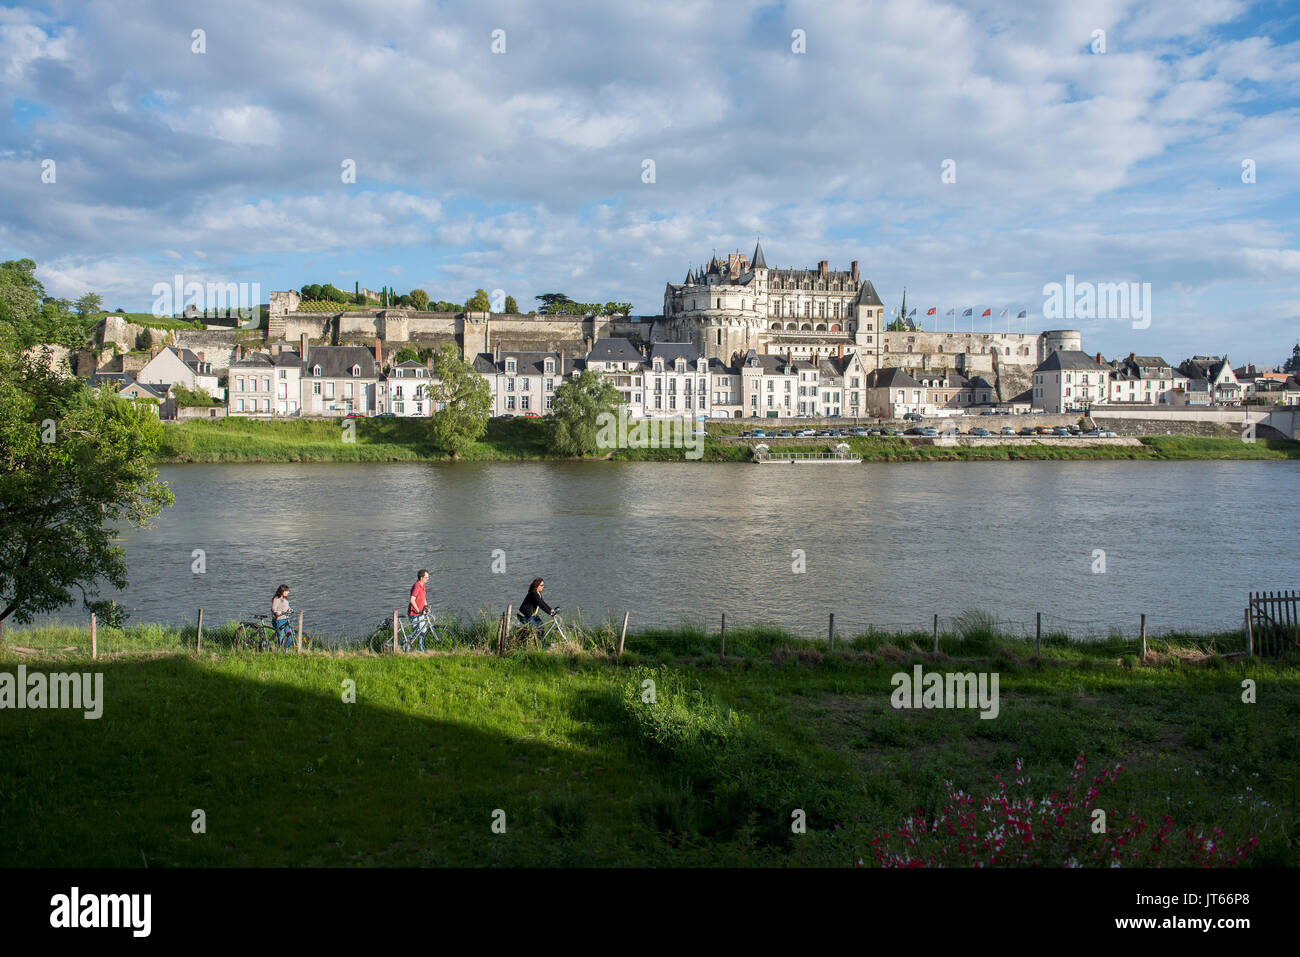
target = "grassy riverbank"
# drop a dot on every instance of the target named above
(406, 440)
(588, 773)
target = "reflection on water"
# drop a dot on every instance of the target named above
(884, 544)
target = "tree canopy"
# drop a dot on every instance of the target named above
(466, 401)
(74, 465)
(578, 404)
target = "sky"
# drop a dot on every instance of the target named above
(1110, 141)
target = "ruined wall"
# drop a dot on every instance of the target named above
(217, 345)
(116, 330)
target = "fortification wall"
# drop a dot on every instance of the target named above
(217, 345)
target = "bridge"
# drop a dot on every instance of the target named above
(1271, 422)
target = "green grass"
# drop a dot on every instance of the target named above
(154, 322)
(588, 773)
(237, 439)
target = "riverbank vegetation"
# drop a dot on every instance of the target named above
(663, 757)
(236, 439)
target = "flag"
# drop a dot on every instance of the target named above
(986, 312)
(950, 312)
(912, 313)
(1002, 313)
(1021, 314)
(930, 311)
(967, 313)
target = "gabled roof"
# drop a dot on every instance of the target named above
(254, 360)
(613, 350)
(1069, 360)
(670, 352)
(891, 378)
(531, 363)
(336, 362)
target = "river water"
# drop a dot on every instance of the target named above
(880, 544)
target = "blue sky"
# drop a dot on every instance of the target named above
(522, 170)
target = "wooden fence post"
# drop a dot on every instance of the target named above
(723, 653)
(936, 632)
(623, 634)
(1038, 636)
(394, 631)
(830, 631)
(198, 634)
(298, 639)
(1250, 635)
(94, 646)
(1143, 635)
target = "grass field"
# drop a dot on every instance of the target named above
(587, 772)
(237, 439)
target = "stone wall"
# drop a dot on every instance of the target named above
(115, 329)
(217, 345)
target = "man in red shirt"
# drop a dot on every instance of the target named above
(417, 606)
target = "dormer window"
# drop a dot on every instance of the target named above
(356, 372)
(659, 365)
(550, 365)
(510, 365)
(315, 371)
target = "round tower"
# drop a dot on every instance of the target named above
(1056, 340)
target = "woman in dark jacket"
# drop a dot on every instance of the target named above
(533, 601)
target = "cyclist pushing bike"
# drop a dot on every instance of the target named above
(417, 609)
(280, 612)
(533, 601)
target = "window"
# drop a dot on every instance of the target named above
(550, 402)
(315, 370)
(510, 402)
(266, 383)
(315, 388)
(550, 365)
(510, 385)
(239, 403)
(239, 385)
(523, 402)
(510, 366)
(266, 405)
(329, 390)
(549, 385)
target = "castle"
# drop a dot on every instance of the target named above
(725, 310)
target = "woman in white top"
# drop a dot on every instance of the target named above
(280, 612)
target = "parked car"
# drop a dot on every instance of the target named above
(1061, 431)
(863, 433)
(1008, 430)
(759, 433)
(354, 415)
(914, 430)
(929, 431)
(1029, 430)
(386, 415)
(1108, 434)
(980, 432)
(805, 433)
(912, 417)
(785, 434)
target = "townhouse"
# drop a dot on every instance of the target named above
(340, 380)
(523, 383)
(171, 366)
(263, 385)
(1070, 381)
(1145, 380)
(1211, 381)
(677, 381)
(408, 390)
(623, 365)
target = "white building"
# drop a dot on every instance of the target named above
(621, 364)
(1070, 381)
(182, 367)
(677, 381)
(410, 389)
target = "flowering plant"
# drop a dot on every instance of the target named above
(1012, 827)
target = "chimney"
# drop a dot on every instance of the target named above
(302, 347)
(561, 367)
(379, 351)
(853, 270)
(429, 363)
(823, 267)
(1100, 361)
(841, 356)
(496, 352)
(1131, 357)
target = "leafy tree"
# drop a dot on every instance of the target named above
(512, 307)
(466, 401)
(192, 398)
(333, 294)
(406, 354)
(143, 341)
(554, 303)
(89, 304)
(443, 306)
(29, 317)
(62, 502)
(617, 309)
(898, 325)
(1293, 364)
(578, 404)
(479, 302)
(419, 299)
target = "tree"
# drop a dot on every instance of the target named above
(1293, 364)
(578, 404)
(554, 303)
(479, 302)
(419, 299)
(62, 502)
(88, 305)
(512, 307)
(898, 325)
(465, 398)
(406, 354)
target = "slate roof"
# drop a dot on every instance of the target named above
(336, 362)
(867, 295)
(1069, 360)
(614, 350)
(758, 262)
(891, 378)
(670, 352)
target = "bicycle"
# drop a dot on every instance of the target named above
(257, 634)
(382, 638)
(551, 630)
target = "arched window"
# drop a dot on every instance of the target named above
(315, 371)
(356, 372)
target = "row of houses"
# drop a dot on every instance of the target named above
(673, 379)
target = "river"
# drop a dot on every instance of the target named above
(879, 544)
